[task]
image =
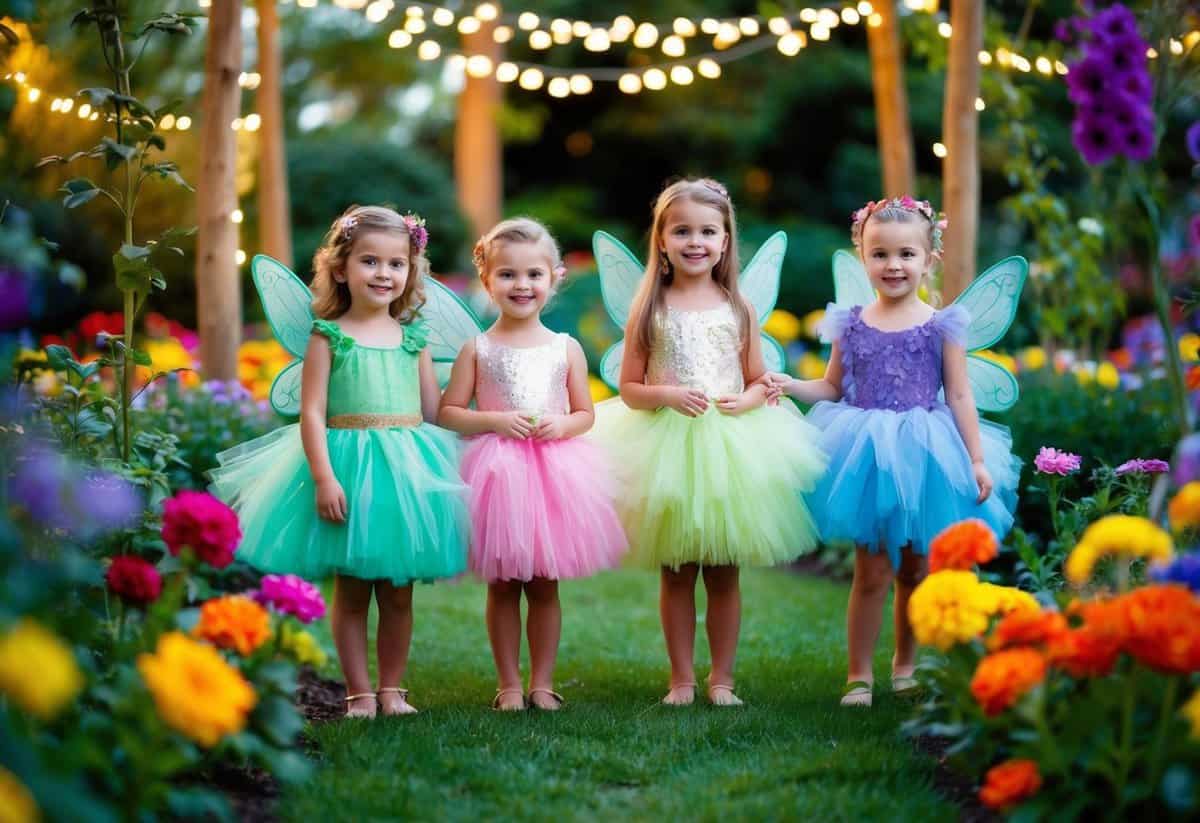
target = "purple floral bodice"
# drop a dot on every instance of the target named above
(896, 370)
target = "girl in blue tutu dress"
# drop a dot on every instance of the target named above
(362, 488)
(903, 464)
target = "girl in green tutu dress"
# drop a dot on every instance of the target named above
(362, 488)
(713, 477)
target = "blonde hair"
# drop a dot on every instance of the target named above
(650, 298)
(331, 299)
(517, 230)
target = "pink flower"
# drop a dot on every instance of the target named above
(292, 595)
(1053, 461)
(134, 579)
(1140, 466)
(201, 522)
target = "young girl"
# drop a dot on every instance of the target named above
(541, 497)
(906, 465)
(712, 477)
(361, 487)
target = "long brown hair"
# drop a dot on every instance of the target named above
(650, 298)
(331, 299)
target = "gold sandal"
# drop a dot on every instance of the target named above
(855, 691)
(558, 699)
(672, 687)
(357, 713)
(713, 688)
(405, 706)
(501, 693)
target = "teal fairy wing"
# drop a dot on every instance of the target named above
(991, 300)
(851, 286)
(620, 275)
(451, 324)
(610, 365)
(285, 391)
(759, 284)
(286, 300)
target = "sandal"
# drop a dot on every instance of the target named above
(404, 708)
(857, 694)
(730, 698)
(667, 700)
(555, 696)
(905, 685)
(360, 713)
(501, 693)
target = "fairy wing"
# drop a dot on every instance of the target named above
(991, 300)
(285, 391)
(759, 284)
(993, 386)
(620, 275)
(451, 324)
(287, 301)
(851, 286)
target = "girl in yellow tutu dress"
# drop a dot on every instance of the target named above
(713, 478)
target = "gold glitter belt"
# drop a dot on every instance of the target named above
(373, 421)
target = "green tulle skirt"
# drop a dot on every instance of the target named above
(715, 489)
(406, 505)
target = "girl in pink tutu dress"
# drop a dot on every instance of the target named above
(541, 496)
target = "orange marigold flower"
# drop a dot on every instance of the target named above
(1003, 677)
(962, 546)
(1162, 627)
(234, 622)
(1026, 628)
(1083, 652)
(1184, 509)
(1009, 783)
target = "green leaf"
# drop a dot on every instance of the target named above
(134, 252)
(287, 766)
(141, 357)
(200, 804)
(117, 153)
(76, 185)
(72, 201)
(59, 357)
(279, 675)
(136, 276)
(98, 96)
(278, 720)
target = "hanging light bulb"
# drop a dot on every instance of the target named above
(645, 36)
(507, 72)
(630, 83)
(709, 68)
(654, 79)
(531, 79)
(581, 84)
(681, 75)
(674, 46)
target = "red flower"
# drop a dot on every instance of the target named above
(1083, 652)
(962, 546)
(98, 321)
(1009, 783)
(201, 522)
(1027, 628)
(1162, 628)
(134, 579)
(1003, 677)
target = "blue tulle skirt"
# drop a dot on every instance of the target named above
(897, 478)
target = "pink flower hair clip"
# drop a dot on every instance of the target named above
(417, 232)
(477, 257)
(937, 220)
(346, 228)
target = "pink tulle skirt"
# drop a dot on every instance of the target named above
(540, 508)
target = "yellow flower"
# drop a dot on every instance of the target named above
(16, 803)
(259, 362)
(196, 692)
(1005, 360)
(1004, 599)
(302, 646)
(1189, 347)
(1085, 373)
(812, 367)
(949, 608)
(1184, 509)
(168, 354)
(1108, 376)
(811, 321)
(1116, 534)
(37, 670)
(1191, 710)
(598, 388)
(782, 325)
(1033, 358)
(47, 383)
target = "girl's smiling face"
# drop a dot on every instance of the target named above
(897, 256)
(376, 270)
(693, 238)
(520, 278)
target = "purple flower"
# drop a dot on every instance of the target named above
(1095, 137)
(1114, 23)
(1193, 141)
(58, 494)
(1141, 466)
(289, 594)
(1137, 86)
(1052, 461)
(1088, 80)
(1064, 31)
(14, 299)
(1125, 55)
(1137, 142)
(1194, 232)
(1183, 569)
(1187, 460)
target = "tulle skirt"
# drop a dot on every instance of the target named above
(715, 489)
(406, 505)
(901, 477)
(540, 508)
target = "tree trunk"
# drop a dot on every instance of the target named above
(218, 291)
(274, 207)
(960, 127)
(477, 151)
(891, 102)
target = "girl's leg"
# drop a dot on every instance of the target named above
(503, 616)
(864, 615)
(677, 609)
(392, 643)
(723, 621)
(544, 627)
(913, 568)
(351, 602)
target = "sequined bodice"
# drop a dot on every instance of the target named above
(533, 378)
(698, 349)
(895, 370)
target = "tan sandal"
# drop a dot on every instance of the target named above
(731, 699)
(404, 708)
(558, 700)
(359, 713)
(500, 693)
(905, 686)
(671, 689)
(857, 694)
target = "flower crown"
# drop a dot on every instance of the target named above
(906, 203)
(713, 185)
(477, 257)
(418, 235)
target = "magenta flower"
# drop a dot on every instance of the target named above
(1088, 80)
(1096, 137)
(1052, 461)
(201, 522)
(289, 594)
(1140, 466)
(1194, 232)
(1114, 23)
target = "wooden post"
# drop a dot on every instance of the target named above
(960, 129)
(892, 128)
(274, 206)
(218, 290)
(477, 151)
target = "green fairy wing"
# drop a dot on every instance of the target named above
(288, 306)
(851, 286)
(992, 300)
(620, 275)
(759, 284)
(451, 324)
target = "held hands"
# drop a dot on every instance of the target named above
(514, 424)
(551, 427)
(331, 501)
(777, 385)
(735, 404)
(983, 479)
(688, 402)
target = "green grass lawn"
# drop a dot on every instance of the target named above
(614, 753)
